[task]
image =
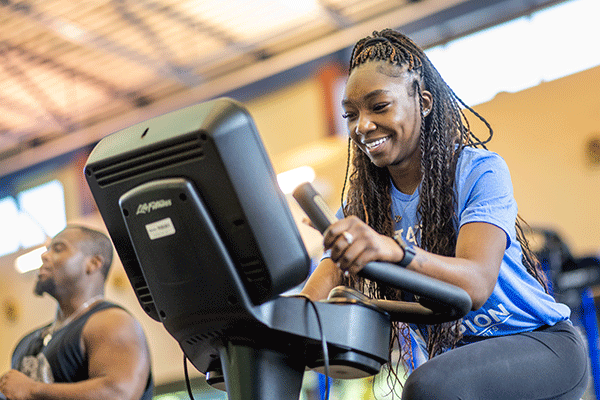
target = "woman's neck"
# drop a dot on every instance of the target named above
(406, 180)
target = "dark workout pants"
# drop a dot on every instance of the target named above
(549, 363)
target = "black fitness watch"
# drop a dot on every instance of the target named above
(409, 251)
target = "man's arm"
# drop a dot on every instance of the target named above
(119, 364)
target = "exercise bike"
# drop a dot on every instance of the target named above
(208, 243)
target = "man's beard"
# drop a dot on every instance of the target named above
(45, 286)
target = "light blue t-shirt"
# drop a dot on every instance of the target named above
(484, 194)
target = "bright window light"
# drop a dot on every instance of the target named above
(29, 261)
(522, 53)
(44, 206)
(28, 231)
(32, 216)
(564, 37)
(9, 240)
(289, 180)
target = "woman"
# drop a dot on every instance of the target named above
(422, 195)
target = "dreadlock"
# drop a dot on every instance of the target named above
(445, 131)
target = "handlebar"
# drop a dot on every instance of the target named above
(437, 301)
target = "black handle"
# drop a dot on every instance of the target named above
(314, 206)
(439, 301)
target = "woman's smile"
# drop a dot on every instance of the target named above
(376, 146)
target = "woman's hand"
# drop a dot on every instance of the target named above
(353, 244)
(479, 250)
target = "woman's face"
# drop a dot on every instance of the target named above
(383, 114)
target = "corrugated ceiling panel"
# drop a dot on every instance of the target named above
(65, 63)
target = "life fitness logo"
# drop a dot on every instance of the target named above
(146, 208)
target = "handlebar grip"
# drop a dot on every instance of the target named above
(314, 206)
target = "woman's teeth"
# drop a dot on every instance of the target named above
(376, 143)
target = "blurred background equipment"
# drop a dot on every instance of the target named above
(571, 282)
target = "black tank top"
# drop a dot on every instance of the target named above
(61, 360)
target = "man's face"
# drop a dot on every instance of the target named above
(63, 264)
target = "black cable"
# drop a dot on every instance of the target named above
(324, 347)
(187, 377)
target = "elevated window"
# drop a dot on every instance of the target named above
(31, 216)
(546, 45)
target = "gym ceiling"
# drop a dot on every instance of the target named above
(72, 72)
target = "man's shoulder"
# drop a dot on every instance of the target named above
(108, 311)
(111, 319)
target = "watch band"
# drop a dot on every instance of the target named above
(407, 249)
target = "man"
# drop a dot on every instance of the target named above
(93, 349)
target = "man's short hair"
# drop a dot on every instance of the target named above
(94, 243)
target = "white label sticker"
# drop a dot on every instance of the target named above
(159, 229)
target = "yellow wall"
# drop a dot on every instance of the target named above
(541, 132)
(290, 117)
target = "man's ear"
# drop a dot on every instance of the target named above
(94, 263)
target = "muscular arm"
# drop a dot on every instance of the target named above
(119, 364)
(479, 250)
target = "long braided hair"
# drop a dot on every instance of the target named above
(445, 131)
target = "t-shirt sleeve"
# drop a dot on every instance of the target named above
(485, 193)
